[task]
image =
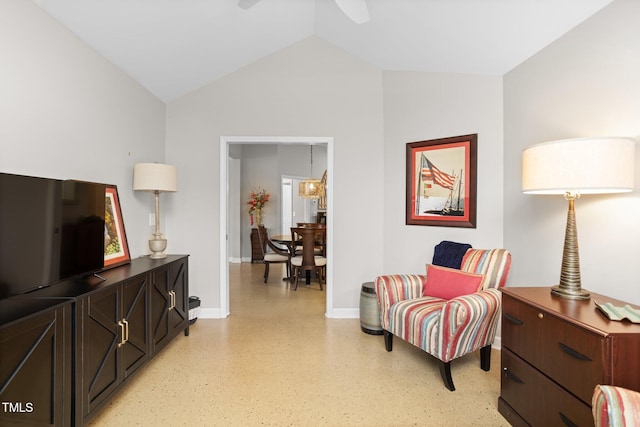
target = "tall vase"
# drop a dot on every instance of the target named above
(258, 217)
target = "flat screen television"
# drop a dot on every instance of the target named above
(50, 230)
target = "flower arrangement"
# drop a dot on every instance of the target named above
(256, 202)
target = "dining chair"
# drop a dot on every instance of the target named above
(308, 260)
(278, 256)
(311, 224)
(320, 247)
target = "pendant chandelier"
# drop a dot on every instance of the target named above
(309, 188)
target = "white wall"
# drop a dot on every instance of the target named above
(422, 106)
(66, 112)
(87, 120)
(584, 84)
(310, 89)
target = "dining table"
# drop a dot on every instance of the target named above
(284, 239)
(287, 240)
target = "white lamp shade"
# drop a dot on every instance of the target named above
(579, 166)
(155, 177)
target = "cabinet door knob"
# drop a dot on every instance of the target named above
(540, 315)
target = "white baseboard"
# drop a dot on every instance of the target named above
(336, 313)
(210, 313)
(343, 313)
(497, 343)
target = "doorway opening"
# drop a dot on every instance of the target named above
(229, 193)
(294, 209)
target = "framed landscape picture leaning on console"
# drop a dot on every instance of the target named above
(441, 182)
(116, 249)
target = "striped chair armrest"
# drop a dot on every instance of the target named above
(468, 323)
(397, 287)
(615, 406)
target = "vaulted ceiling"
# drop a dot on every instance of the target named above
(172, 47)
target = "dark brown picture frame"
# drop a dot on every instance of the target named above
(116, 248)
(441, 182)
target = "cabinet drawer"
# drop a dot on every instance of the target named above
(537, 399)
(568, 354)
(521, 331)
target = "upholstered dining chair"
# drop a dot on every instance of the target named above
(308, 260)
(278, 256)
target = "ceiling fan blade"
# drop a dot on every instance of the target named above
(246, 4)
(356, 10)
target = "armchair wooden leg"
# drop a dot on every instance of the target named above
(266, 271)
(319, 273)
(388, 340)
(485, 358)
(445, 373)
(296, 274)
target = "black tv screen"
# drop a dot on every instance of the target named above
(30, 209)
(82, 239)
(49, 230)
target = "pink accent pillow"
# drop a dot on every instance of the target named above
(448, 283)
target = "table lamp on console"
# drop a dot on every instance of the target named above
(573, 167)
(155, 177)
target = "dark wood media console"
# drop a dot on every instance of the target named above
(67, 349)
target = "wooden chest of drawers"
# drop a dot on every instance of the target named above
(258, 243)
(555, 351)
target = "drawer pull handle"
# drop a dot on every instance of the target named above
(172, 300)
(566, 420)
(126, 330)
(512, 376)
(574, 353)
(513, 320)
(122, 334)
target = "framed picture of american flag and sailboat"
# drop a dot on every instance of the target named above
(441, 182)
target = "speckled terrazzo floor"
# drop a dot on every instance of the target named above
(277, 361)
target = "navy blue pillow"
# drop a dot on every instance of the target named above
(449, 254)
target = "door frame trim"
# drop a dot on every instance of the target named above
(225, 141)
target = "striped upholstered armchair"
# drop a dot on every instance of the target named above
(614, 406)
(439, 313)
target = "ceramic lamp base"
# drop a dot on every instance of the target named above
(157, 246)
(570, 293)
